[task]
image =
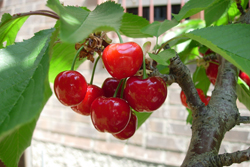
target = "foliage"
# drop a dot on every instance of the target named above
(27, 67)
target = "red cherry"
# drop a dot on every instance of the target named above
(130, 129)
(109, 86)
(145, 95)
(207, 99)
(92, 93)
(201, 95)
(70, 87)
(212, 71)
(209, 51)
(110, 114)
(245, 77)
(122, 59)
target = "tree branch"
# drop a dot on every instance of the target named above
(228, 159)
(243, 120)
(238, 2)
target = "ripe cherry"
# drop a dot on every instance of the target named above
(212, 71)
(70, 87)
(109, 86)
(201, 95)
(110, 114)
(122, 59)
(92, 93)
(129, 130)
(245, 77)
(145, 95)
(207, 52)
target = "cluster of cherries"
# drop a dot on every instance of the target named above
(211, 72)
(112, 107)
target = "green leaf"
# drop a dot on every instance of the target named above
(157, 28)
(189, 119)
(243, 93)
(192, 7)
(9, 28)
(24, 91)
(62, 58)
(230, 41)
(162, 69)
(231, 13)
(163, 56)
(141, 117)
(200, 79)
(77, 23)
(131, 26)
(215, 11)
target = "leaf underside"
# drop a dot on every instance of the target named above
(24, 91)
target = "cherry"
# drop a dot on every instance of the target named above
(70, 87)
(110, 114)
(145, 95)
(245, 77)
(212, 71)
(109, 86)
(207, 52)
(122, 59)
(92, 93)
(201, 95)
(129, 130)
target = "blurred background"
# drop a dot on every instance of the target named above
(63, 138)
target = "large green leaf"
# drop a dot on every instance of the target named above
(157, 28)
(243, 93)
(62, 58)
(24, 91)
(9, 28)
(230, 41)
(132, 24)
(141, 117)
(192, 7)
(77, 23)
(215, 11)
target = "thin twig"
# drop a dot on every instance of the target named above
(238, 2)
(43, 13)
(228, 159)
(244, 120)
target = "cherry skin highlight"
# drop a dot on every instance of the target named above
(122, 59)
(145, 95)
(70, 87)
(110, 114)
(93, 92)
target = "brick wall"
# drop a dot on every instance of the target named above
(162, 140)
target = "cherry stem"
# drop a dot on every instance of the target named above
(119, 35)
(38, 12)
(144, 76)
(93, 72)
(118, 87)
(76, 55)
(123, 86)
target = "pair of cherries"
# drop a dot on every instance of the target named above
(113, 114)
(204, 99)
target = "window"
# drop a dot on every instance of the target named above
(160, 12)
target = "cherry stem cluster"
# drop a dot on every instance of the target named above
(76, 55)
(118, 87)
